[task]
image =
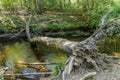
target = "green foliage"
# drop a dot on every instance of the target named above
(10, 23)
(9, 4)
(63, 25)
(73, 6)
(2, 78)
(57, 68)
(51, 25)
(110, 45)
(114, 32)
(90, 10)
(19, 52)
(57, 57)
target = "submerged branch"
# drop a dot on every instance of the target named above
(26, 74)
(38, 63)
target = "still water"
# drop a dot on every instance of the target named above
(11, 55)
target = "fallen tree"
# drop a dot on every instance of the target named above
(83, 54)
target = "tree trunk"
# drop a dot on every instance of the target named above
(85, 53)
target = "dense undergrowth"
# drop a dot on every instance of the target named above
(70, 13)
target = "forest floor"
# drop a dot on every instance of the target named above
(113, 74)
(48, 24)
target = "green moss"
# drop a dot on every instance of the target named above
(59, 58)
(18, 52)
(110, 45)
(57, 68)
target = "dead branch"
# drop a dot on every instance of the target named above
(88, 75)
(27, 22)
(17, 33)
(27, 74)
(8, 37)
(102, 21)
(5, 35)
(103, 28)
(38, 63)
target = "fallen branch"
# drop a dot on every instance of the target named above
(17, 34)
(6, 35)
(10, 36)
(27, 74)
(102, 21)
(38, 63)
(92, 74)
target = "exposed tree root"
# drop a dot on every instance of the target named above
(83, 54)
(88, 75)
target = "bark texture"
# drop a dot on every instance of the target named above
(83, 54)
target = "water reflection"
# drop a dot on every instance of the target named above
(11, 55)
(18, 52)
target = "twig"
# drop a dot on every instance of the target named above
(104, 27)
(26, 74)
(102, 22)
(88, 75)
(115, 19)
(37, 63)
(17, 34)
(5, 35)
